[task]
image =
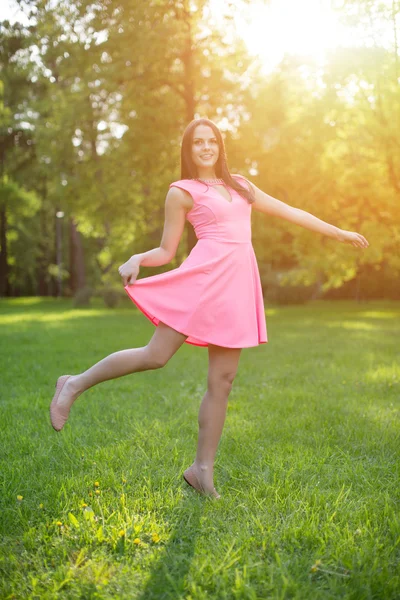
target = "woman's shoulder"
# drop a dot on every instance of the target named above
(183, 183)
(184, 191)
(191, 186)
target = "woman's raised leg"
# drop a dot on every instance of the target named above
(223, 365)
(162, 346)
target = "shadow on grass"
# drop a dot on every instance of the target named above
(167, 578)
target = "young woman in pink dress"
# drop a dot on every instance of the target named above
(213, 299)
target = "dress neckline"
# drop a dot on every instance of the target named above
(212, 185)
(223, 197)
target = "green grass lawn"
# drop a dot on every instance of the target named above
(308, 464)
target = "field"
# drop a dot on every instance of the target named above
(308, 464)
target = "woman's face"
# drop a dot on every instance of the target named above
(205, 150)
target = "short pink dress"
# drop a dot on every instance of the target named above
(215, 295)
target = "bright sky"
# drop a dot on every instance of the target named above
(9, 11)
(309, 27)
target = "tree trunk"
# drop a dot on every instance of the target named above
(357, 296)
(42, 277)
(4, 283)
(77, 261)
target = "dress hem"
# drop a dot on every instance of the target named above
(205, 345)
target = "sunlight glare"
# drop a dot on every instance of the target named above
(288, 26)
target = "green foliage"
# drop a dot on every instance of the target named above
(21, 207)
(281, 288)
(96, 124)
(112, 295)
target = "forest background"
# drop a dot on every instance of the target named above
(95, 96)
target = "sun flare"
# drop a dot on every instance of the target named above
(278, 27)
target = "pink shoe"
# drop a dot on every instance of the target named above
(192, 480)
(59, 414)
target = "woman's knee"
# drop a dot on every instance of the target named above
(154, 358)
(221, 383)
(163, 345)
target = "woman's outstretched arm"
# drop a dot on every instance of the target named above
(267, 204)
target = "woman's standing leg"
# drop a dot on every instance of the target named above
(223, 365)
(162, 346)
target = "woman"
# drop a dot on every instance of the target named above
(213, 299)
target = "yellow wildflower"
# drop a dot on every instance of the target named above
(136, 541)
(122, 533)
(315, 566)
(84, 505)
(19, 498)
(155, 537)
(41, 505)
(123, 480)
(59, 523)
(97, 492)
(96, 484)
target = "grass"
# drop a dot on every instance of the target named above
(308, 464)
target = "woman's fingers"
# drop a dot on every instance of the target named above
(126, 279)
(128, 273)
(359, 241)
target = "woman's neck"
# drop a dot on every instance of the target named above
(206, 173)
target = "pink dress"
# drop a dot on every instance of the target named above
(215, 295)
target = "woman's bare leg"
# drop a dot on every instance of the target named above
(162, 346)
(223, 365)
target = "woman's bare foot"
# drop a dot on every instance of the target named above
(200, 478)
(69, 393)
(64, 397)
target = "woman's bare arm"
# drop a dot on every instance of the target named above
(271, 206)
(174, 223)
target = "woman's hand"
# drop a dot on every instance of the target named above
(129, 271)
(351, 237)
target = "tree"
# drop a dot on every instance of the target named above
(16, 203)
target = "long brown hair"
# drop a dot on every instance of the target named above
(189, 169)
